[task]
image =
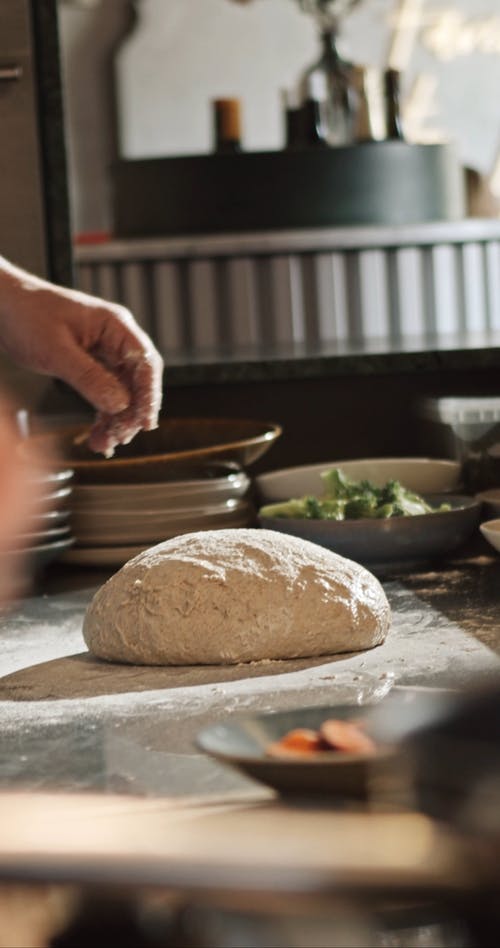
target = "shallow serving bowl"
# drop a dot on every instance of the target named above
(392, 542)
(45, 536)
(224, 484)
(151, 526)
(491, 532)
(154, 455)
(423, 475)
(241, 742)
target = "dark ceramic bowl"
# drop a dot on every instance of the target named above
(178, 443)
(396, 541)
(241, 742)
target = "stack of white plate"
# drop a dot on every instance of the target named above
(49, 532)
(113, 522)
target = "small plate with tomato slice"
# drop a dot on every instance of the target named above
(332, 750)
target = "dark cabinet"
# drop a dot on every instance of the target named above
(34, 224)
(22, 224)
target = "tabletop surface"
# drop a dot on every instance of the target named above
(70, 723)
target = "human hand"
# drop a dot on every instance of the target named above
(95, 346)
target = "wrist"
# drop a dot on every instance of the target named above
(15, 285)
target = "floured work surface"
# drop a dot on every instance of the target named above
(73, 723)
(43, 656)
(82, 676)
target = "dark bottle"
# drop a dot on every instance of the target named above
(227, 126)
(312, 112)
(292, 111)
(393, 104)
(294, 131)
(313, 132)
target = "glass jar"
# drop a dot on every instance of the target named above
(335, 75)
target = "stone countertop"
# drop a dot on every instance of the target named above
(266, 363)
(69, 726)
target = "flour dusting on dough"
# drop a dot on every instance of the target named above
(228, 596)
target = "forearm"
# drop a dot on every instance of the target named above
(93, 345)
(16, 289)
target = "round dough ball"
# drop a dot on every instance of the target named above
(220, 597)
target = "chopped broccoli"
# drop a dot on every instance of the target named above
(312, 507)
(337, 485)
(291, 508)
(308, 508)
(332, 509)
(390, 493)
(346, 499)
(363, 506)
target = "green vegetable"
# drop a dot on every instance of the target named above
(345, 499)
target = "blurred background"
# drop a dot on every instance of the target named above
(162, 61)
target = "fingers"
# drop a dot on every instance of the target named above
(127, 350)
(101, 387)
(140, 373)
(142, 380)
(109, 431)
(145, 387)
(120, 351)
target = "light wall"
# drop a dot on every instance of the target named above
(186, 52)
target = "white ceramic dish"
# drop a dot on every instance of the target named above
(128, 515)
(491, 532)
(170, 494)
(57, 498)
(154, 526)
(46, 536)
(48, 520)
(424, 475)
(491, 502)
(57, 479)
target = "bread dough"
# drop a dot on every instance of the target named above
(220, 597)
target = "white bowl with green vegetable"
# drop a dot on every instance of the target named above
(377, 525)
(422, 475)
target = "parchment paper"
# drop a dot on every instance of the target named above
(82, 676)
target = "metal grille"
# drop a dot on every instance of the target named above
(208, 293)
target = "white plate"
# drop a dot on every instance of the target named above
(113, 516)
(46, 536)
(56, 497)
(49, 519)
(170, 494)
(155, 526)
(55, 480)
(491, 532)
(424, 475)
(149, 534)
